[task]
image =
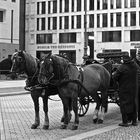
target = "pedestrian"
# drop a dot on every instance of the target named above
(126, 75)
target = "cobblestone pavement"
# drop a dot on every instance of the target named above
(17, 116)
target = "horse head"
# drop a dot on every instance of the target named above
(18, 62)
(46, 72)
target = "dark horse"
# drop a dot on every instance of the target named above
(72, 83)
(24, 62)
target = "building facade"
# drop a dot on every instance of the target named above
(60, 26)
(9, 27)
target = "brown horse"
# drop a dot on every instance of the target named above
(71, 83)
(24, 62)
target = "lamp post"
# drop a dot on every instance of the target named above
(85, 33)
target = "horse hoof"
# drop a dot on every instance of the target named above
(95, 120)
(74, 127)
(63, 126)
(100, 121)
(45, 127)
(34, 126)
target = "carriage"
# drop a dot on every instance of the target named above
(115, 59)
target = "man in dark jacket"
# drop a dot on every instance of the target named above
(126, 76)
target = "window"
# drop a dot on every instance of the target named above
(78, 5)
(43, 24)
(49, 23)
(44, 38)
(132, 3)
(133, 18)
(91, 5)
(126, 3)
(49, 7)
(72, 6)
(66, 5)
(54, 23)
(104, 20)
(118, 3)
(60, 6)
(135, 35)
(72, 22)
(79, 21)
(55, 6)
(1, 16)
(111, 4)
(66, 22)
(104, 4)
(98, 4)
(41, 7)
(111, 20)
(91, 21)
(13, 0)
(111, 36)
(125, 19)
(60, 22)
(98, 20)
(118, 19)
(67, 38)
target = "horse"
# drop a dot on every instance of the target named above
(23, 62)
(72, 83)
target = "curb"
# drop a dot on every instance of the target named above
(14, 93)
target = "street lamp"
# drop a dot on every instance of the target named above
(85, 33)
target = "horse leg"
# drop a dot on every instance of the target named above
(103, 106)
(66, 112)
(97, 99)
(36, 106)
(45, 108)
(75, 109)
(69, 113)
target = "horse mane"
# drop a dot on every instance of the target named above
(31, 63)
(60, 65)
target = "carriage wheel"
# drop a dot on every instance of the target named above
(83, 105)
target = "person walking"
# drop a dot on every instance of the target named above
(126, 76)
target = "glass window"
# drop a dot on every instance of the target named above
(67, 38)
(135, 35)
(104, 4)
(98, 20)
(43, 24)
(126, 3)
(54, 23)
(118, 3)
(133, 18)
(98, 4)
(91, 21)
(66, 22)
(111, 4)
(37, 8)
(118, 19)
(49, 23)
(111, 36)
(13, 0)
(60, 6)
(55, 6)
(111, 20)
(126, 19)
(104, 20)
(60, 22)
(37, 24)
(66, 5)
(1, 16)
(79, 21)
(132, 3)
(91, 5)
(43, 38)
(49, 7)
(43, 7)
(72, 22)
(72, 6)
(78, 5)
